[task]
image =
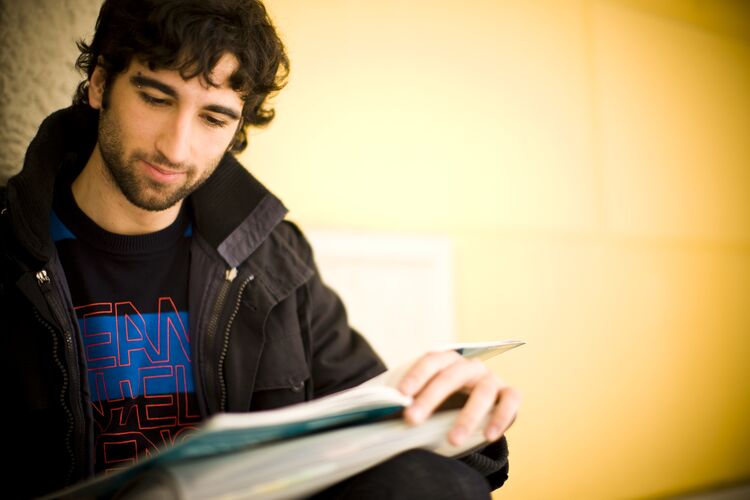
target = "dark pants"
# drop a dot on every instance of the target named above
(415, 474)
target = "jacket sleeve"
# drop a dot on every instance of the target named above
(491, 461)
(340, 357)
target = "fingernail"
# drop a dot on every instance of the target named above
(458, 434)
(416, 413)
(493, 432)
(408, 386)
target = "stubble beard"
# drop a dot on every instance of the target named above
(139, 190)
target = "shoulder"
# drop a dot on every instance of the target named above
(284, 261)
(291, 234)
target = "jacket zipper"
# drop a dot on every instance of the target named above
(75, 413)
(213, 323)
(63, 391)
(225, 345)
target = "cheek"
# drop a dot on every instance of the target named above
(138, 129)
(213, 143)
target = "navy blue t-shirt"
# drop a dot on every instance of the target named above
(130, 296)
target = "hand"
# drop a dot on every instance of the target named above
(437, 375)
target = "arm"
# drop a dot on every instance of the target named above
(339, 356)
(342, 358)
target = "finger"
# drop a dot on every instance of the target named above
(424, 369)
(504, 414)
(480, 403)
(459, 375)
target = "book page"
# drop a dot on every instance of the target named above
(309, 464)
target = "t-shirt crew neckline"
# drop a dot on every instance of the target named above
(84, 228)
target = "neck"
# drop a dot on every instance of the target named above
(97, 195)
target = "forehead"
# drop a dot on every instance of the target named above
(220, 75)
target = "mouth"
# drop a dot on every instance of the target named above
(162, 174)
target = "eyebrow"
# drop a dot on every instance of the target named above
(145, 81)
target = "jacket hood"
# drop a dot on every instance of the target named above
(232, 211)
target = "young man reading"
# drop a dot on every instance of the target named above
(149, 281)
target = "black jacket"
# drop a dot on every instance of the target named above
(265, 331)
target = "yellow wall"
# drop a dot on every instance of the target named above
(591, 162)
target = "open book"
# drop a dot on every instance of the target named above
(273, 464)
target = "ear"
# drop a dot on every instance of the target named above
(96, 87)
(238, 139)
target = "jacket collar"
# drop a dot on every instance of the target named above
(232, 211)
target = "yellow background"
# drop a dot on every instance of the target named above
(590, 161)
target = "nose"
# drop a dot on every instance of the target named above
(174, 139)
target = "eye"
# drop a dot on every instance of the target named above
(212, 121)
(154, 101)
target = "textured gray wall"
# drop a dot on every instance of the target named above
(37, 73)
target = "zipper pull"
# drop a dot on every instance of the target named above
(230, 274)
(42, 278)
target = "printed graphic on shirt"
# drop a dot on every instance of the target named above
(140, 379)
(130, 294)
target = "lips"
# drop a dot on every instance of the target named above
(162, 174)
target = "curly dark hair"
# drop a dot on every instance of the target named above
(190, 36)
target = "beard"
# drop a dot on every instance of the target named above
(125, 170)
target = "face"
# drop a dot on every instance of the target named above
(160, 137)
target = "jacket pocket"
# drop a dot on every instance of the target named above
(282, 369)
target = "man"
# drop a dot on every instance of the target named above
(149, 281)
